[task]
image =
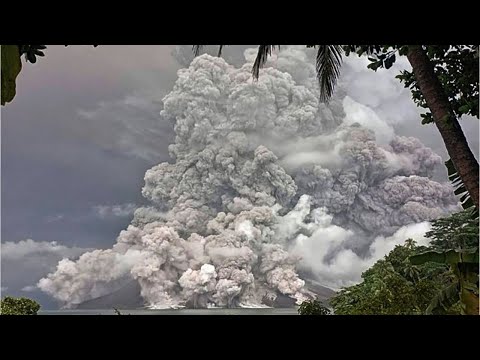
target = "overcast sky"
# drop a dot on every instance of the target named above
(85, 126)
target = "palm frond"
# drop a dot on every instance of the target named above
(460, 189)
(264, 51)
(196, 49)
(329, 61)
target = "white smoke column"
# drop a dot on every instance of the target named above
(365, 116)
(251, 159)
(345, 267)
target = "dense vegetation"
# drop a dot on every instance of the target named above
(415, 279)
(393, 286)
(313, 307)
(18, 306)
(455, 244)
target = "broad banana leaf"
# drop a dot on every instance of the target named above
(446, 257)
(445, 299)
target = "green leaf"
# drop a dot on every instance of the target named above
(459, 187)
(464, 109)
(18, 306)
(329, 61)
(220, 48)
(426, 118)
(446, 257)
(31, 57)
(375, 65)
(11, 67)
(445, 299)
(313, 307)
(389, 61)
(403, 50)
(264, 51)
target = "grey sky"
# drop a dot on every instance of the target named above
(85, 126)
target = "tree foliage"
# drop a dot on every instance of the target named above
(328, 62)
(457, 69)
(18, 306)
(455, 243)
(456, 66)
(11, 66)
(439, 279)
(264, 51)
(459, 230)
(313, 307)
(31, 52)
(393, 286)
(464, 265)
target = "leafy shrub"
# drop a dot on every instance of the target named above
(18, 306)
(313, 307)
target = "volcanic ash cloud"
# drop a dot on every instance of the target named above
(261, 172)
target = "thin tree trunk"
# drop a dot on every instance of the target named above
(445, 119)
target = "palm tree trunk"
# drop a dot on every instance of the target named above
(445, 119)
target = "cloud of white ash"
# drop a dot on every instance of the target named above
(263, 175)
(325, 249)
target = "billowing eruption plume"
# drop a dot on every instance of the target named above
(265, 182)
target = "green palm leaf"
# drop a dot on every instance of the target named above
(329, 61)
(264, 51)
(459, 186)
